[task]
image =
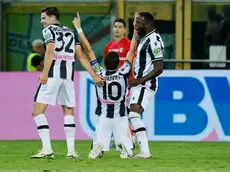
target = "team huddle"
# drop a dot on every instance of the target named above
(121, 99)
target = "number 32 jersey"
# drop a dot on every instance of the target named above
(64, 51)
(111, 98)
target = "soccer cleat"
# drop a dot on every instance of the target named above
(143, 156)
(96, 152)
(101, 155)
(124, 152)
(72, 155)
(44, 154)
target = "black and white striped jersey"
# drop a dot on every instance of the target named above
(64, 52)
(150, 49)
(111, 98)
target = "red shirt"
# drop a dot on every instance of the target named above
(122, 48)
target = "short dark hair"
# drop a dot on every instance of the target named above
(112, 60)
(51, 11)
(120, 20)
(148, 16)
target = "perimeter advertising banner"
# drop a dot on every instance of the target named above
(188, 106)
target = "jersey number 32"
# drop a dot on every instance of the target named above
(65, 40)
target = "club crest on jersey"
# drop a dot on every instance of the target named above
(156, 51)
(113, 50)
(121, 50)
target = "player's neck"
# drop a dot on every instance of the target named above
(149, 30)
(56, 22)
(117, 39)
(110, 72)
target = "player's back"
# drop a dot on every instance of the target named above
(112, 96)
(64, 51)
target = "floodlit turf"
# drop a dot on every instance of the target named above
(167, 157)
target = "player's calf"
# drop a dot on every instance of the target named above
(140, 131)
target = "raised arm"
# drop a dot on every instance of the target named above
(86, 45)
(86, 64)
(133, 45)
(84, 42)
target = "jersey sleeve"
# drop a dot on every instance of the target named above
(126, 68)
(76, 40)
(98, 69)
(48, 35)
(156, 48)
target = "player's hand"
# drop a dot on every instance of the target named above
(98, 80)
(134, 82)
(42, 78)
(77, 21)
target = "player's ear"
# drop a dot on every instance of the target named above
(124, 32)
(52, 18)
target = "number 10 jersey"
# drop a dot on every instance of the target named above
(64, 51)
(111, 98)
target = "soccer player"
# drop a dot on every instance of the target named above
(148, 66)
(121, 45)
(56, 80)
(111, 99)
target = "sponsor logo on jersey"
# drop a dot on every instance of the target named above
(47, 36)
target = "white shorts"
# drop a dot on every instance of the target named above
(141, 95)
(117, 126)
(60, 89)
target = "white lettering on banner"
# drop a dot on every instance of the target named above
(188, 106)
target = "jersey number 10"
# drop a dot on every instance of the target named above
(108, 90)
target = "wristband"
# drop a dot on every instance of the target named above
(95, 66)
(93, 62)
(79, 30)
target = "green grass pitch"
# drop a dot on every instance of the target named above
(167, 157)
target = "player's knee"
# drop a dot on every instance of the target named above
(134, 115)
(67, 110)
(35, 112)
(136, 108)
(136, 122)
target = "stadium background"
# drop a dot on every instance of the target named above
(180, 24)
(192, 102)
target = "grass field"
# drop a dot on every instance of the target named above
(167, 157)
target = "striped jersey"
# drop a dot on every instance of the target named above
(111, 98)
(64, 51)
(149, 49)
